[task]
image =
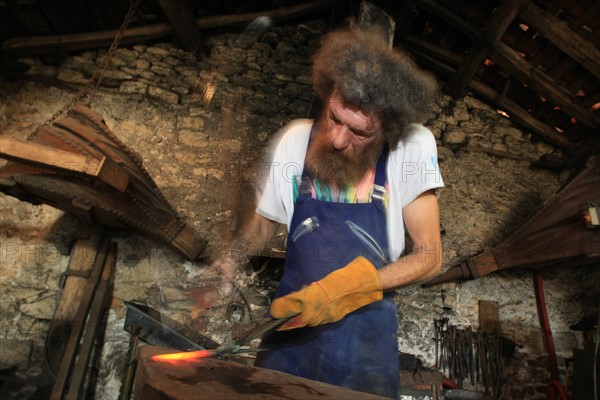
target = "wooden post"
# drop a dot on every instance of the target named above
(404, 17)
(77, 330)
(489, 317)
(181, 16)
(100, 303)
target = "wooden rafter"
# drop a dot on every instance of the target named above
(503, 17)
(82, 41)
(429, 56)
(562, 37)
(542, 84)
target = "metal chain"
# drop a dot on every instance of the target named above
(98, 74)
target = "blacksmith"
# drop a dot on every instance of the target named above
(365, 170)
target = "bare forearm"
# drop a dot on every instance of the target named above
(256, 233)
(421, 218)
(418, 266)
(250, 240)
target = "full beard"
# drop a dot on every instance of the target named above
(339, 167)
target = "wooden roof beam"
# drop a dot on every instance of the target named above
(20, 46)
(442, 12)
(559, 33)
(516, 112)
(520, 115)
(504, 16)
(542, 84)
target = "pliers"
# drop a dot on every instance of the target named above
(233, 347)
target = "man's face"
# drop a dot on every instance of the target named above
(347, 145)
(350, 130)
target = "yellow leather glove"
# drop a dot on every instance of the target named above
(331, 298)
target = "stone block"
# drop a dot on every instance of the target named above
(158, 51)
(182, 90)
(14, 352)
(172, 61)
(162, 70)
(80, 63)
(509, 131)
(72, 76)
(117, 74)
(42, 309)
(191, 123)
(544, 148)
(162, 94)
(186, 70)
(46, 71)
(127, 55)
(142, 64)
(117, 62)
(133, 87)
(148, 75)
(454, 137)
(499, 146)
(193, 138)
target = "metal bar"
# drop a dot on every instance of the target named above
(160, 330)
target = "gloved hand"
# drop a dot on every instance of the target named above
(331, 298)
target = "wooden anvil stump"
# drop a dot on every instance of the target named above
(212, 378)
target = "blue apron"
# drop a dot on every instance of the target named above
(359, 352)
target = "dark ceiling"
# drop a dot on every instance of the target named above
(538, 61)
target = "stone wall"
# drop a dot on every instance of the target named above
(201, 123)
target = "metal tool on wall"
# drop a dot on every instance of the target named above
(465, 355)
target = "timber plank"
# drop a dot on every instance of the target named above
(210, 379)
(29, 152)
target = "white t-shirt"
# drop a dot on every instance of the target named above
(412, 169)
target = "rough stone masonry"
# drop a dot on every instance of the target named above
(201, 125)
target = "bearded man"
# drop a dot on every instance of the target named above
(365, 170)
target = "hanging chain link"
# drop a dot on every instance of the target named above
(99, 73)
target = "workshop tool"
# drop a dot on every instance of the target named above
(231, 348)
(160, 330)
(463, 354)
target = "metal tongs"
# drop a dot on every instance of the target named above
(231, 348)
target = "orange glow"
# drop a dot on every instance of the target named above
(596, 106)
(488, 62)
(176, 358)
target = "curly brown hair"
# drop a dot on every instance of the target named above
(381, 80)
